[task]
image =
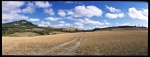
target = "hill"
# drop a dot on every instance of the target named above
(26, 26)
(21, 23)
(121, 28)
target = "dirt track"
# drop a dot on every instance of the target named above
(68, 48)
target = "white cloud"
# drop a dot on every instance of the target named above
(138, 14)
(78, 24)
(88, 21)
(13, 17)
(30, 8)
(80, 27)
(112, 9)
(52, 19)
(105, 22)
(61, 22)
(11, 11)
(61, 13)
(12, 6)
(49, 11)
(97, 26)
(69, 1)
(42, 4)
(70, 12)
(87, 11)
(33, 19)
(124, 24)
(115, 15)
(44, 24)
(69, 17)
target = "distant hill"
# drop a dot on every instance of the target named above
(26, 26)
(70, 29)
(21, 23)
(122, 28)
(22, 26)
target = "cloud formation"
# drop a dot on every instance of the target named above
(115, 13)
(61, 13)
(52, 19)
(50, 11)
(85, 11)
(30, 8)
(33, 19)
(138, 14)
(43, 4)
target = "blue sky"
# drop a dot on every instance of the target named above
(78, 14)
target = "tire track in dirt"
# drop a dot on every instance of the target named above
(68, 48)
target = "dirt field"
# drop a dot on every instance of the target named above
(90, 43)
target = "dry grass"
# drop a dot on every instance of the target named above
(24, 34)
(115, 43)
(125, 42)
(33, 45)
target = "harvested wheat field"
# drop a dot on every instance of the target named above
(103, 43)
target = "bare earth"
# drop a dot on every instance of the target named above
(89, 43)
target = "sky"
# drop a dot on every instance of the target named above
(78, 14)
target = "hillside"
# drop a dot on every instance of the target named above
(26, 26)
(21, 23)
(121, 28)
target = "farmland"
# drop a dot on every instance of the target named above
(105, 43)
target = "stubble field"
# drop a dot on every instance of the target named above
(103, 43)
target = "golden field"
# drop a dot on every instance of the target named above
(105, 43)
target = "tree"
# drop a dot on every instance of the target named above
(76, 30)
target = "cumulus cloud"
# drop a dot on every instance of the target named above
(13, 17)
(70, 12)
(61, 22)
(88, 21)
(33, 19)
(69, 17)
(112, 9)
(138, 14)
(87, 11)
(12, 6)
(52, 19)
(70, 2)
(79, 27)
(61, 13)
(102, 26)
(30, 8)
(11, 11)
(115, 13)
(105, 22)
(44, 24)
(42, 4)
(78, 24)
(50, 11)
(124, 24)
